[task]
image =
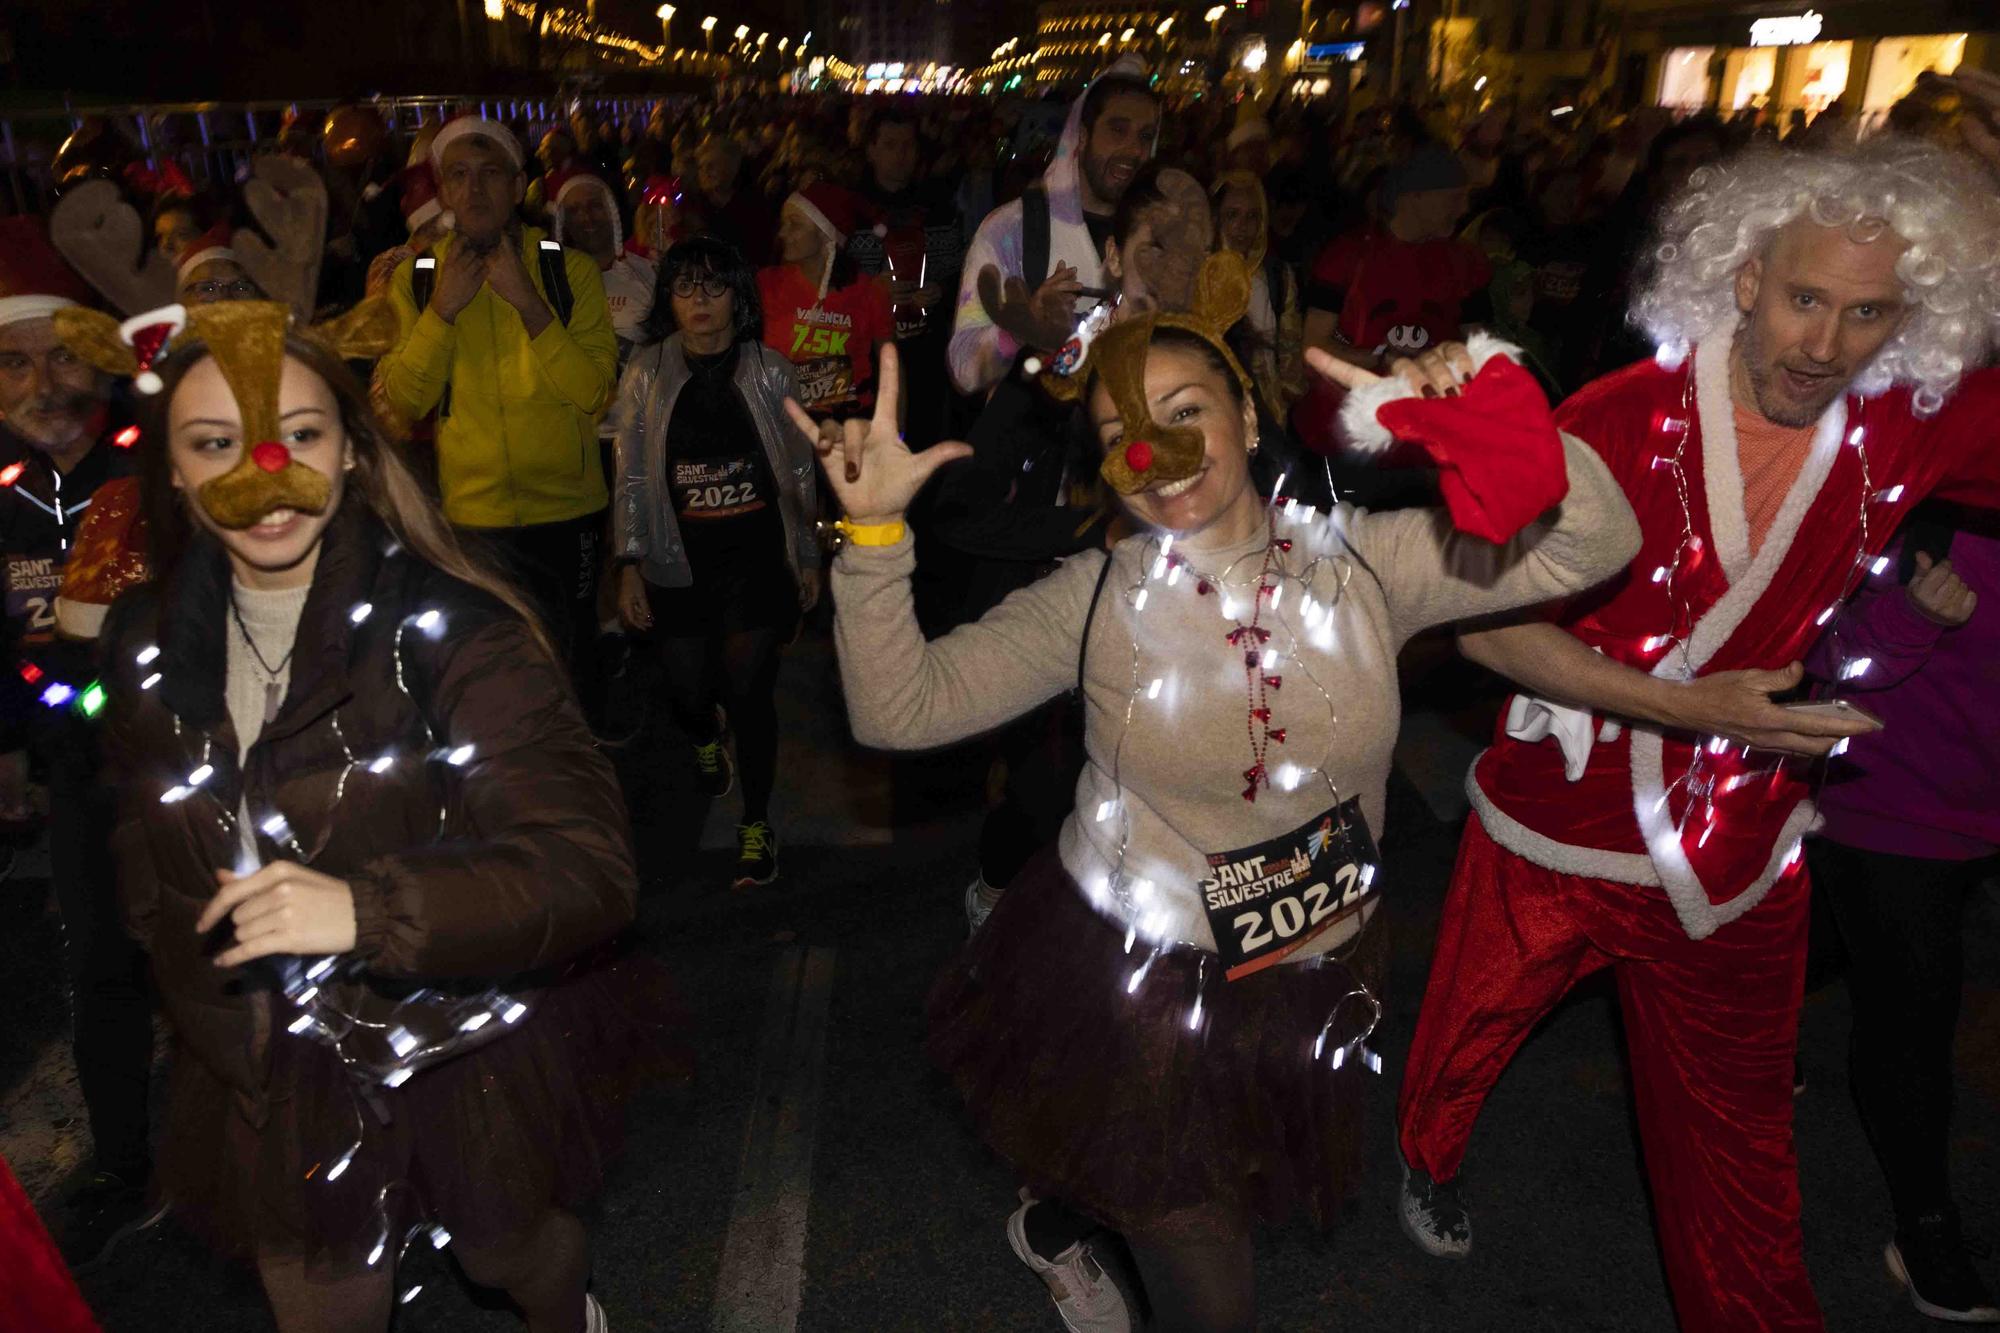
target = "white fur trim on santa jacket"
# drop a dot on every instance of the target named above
(1358, 422)
(1714, 826)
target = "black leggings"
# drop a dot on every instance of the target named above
(739, 670)
(1900, 935)
(544, 1270)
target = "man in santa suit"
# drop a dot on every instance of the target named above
(1642, 810)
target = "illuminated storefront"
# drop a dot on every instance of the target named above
(1863, 57)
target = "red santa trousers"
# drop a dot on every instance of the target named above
(35, 1287)
(1712, 1026)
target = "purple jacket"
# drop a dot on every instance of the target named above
(1928, 784)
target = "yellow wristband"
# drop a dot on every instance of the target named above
(872, 534)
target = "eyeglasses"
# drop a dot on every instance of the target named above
(713, 288)
(237, 290)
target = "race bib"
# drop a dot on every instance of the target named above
(825, 382)
(1267, 901)
(706, 489)
(32, 584)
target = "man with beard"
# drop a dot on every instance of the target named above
(59, 443)
(506, 335)
(1644, 809)
(1052, 238)
(916, 238)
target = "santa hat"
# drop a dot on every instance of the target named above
(420, 202)
(34, 281)
(453, 130)
(211, 245)
(582, 183)
(833, 210)
(148, 336)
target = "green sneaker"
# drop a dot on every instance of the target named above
(757, 854)
(714, 770)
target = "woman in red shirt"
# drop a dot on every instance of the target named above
(820, 311)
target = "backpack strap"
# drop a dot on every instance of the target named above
(1035, 236)
(1083, 645)
(555, 281)
(423, 281)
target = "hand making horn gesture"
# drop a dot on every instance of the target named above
(1437, 372)
(873, 473)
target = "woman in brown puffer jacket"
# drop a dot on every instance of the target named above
(368, 843)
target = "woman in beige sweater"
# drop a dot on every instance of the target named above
(1164, 1023)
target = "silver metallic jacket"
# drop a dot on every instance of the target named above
(643, 525)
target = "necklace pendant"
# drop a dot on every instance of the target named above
(274, 694)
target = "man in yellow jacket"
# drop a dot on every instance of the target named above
(518, 389)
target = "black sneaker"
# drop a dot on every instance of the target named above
(1433, 1215)
(756, 855)
(1928, 1256)
(97, 1215)
(714, 770)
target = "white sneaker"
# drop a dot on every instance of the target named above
(593, 1316)
(976, 910)
(1085, 1296)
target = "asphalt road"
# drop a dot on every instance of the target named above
(816, 1175)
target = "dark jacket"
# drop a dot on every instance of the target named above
(40, 512)
(504, 867)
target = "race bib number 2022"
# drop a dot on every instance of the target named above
(1267, 901)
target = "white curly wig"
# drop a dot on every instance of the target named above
(1938, 201)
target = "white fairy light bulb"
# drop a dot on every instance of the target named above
(361, 612)
(151, 652)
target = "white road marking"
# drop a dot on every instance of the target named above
(764, 1251)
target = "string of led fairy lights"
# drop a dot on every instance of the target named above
(1696, 781)
(1268, 657)
(449, 1021)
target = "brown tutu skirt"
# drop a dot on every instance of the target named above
(1120, 1100)
(482, 1144)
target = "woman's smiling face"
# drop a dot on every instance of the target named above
(206, 444)
(1185, 388)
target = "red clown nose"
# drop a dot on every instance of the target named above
(1138, 455)
(271, 456)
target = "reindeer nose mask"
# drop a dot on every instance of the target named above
(1147, 452)
(247, 340)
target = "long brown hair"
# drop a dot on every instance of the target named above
(381, 479)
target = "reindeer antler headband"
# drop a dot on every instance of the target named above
(1148, 452)
(247, 341)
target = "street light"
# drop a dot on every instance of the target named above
(666, 13)
(1165, 23)
(742, 31)
(708, 34)
(1216, 13)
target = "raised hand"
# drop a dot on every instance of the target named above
(1435, 373)
(873, 473)
(460, 275)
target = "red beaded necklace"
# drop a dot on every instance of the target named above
(1250, 640)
